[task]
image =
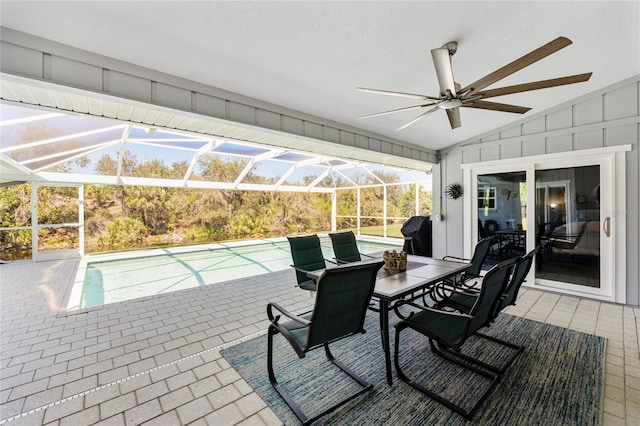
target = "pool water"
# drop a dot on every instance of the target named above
(164, 271)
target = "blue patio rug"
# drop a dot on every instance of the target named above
(557, 380)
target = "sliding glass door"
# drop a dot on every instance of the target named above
(563, 206)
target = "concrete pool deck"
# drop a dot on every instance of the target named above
(156, 360)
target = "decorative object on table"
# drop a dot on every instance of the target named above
(395, 261)
(454, 191)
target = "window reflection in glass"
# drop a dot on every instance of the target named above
(568, 225)
(502, 212)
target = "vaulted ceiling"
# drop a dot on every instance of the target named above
(310, 56)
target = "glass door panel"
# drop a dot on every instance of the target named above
(502, 212)
(568, 225)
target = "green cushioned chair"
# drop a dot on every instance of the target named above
(307, 256)
(480, 253)
(448, 331)
(343, 295)
(345, 247)
(463, 301)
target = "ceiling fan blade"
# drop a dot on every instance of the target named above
(517, 65)
(454, 117)
(396, 110)
(494, 106)
(394, 93)
(418, 118)
(536, 85)
(442, 63)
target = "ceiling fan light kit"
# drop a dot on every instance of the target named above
(450, 103)
(453, 96)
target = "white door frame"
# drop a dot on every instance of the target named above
(37, 255)
(613, 201)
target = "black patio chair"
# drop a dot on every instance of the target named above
(342, 299)
(480, 253)
(448, 331)
(307, 256)
(463, 301)
(345, 247)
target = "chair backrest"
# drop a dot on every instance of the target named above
(482, 233)
(345, 247)
(306, 253)
(494, 284)
(480, 253)
(521, 270)
(342, 300)
(491, 226)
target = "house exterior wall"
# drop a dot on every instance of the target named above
(601, 119)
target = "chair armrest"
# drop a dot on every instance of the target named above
(300, 269)
(428, 309)
(332, 261)
(456, 259)
(465, 291)
(443, 290)
(274, 318)
(369, 256)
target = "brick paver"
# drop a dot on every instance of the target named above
(170, 345)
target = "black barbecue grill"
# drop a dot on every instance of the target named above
(418, 238)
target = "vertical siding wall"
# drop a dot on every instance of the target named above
(601, 119)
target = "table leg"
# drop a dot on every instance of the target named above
(384, 334)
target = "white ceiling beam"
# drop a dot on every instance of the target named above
(200, 152)
(372, 174)
(62, 138)
(125, 135)
(319, 178)
(81, 152)
(23, 120)
(286, 175)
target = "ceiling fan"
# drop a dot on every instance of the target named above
(453, 96)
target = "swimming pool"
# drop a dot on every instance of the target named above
(113, 278)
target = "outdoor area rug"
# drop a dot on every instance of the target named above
(558, 379)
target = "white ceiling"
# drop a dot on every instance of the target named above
(310, 55)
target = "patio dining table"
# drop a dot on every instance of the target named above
(391, 286)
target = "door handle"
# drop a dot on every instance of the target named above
(607, 226)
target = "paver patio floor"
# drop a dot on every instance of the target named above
(156, 360)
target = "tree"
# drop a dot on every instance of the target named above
(123, 233)
(15, 205)
(150, 206)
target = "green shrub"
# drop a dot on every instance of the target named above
(123, 233)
